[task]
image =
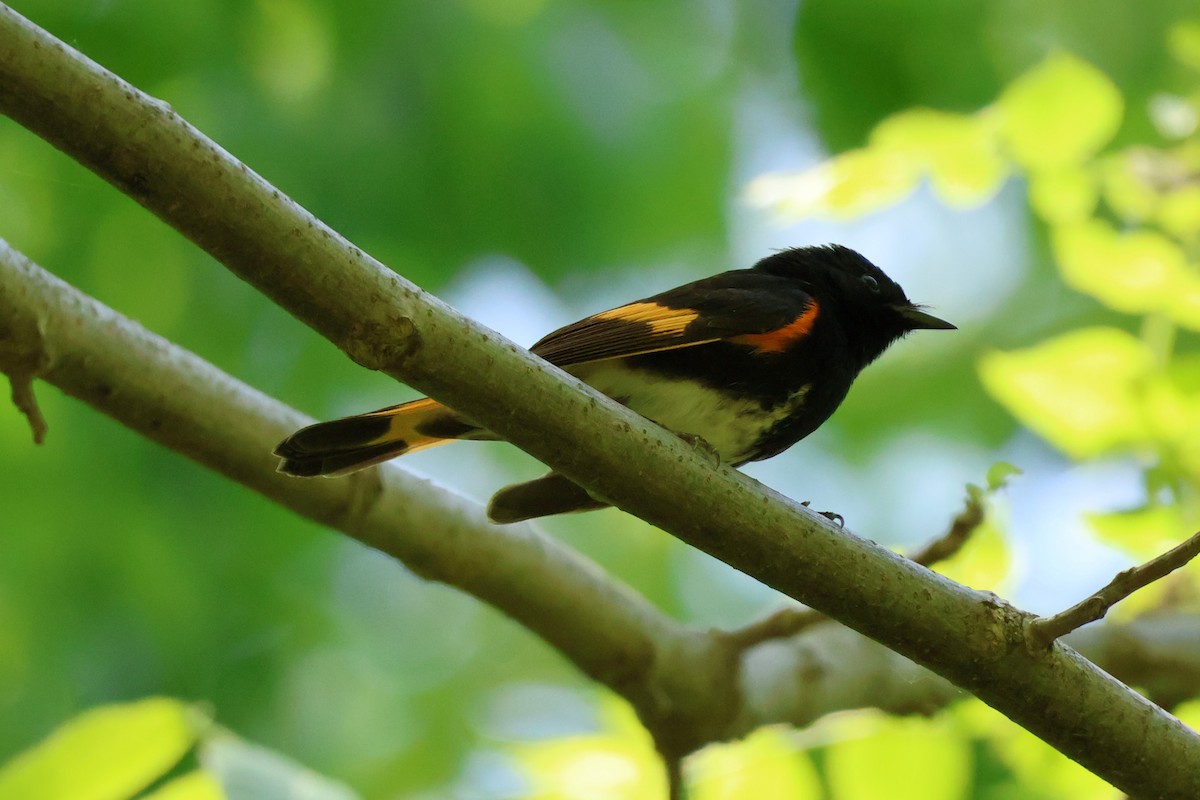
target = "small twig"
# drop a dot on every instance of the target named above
(778, 624)
(675, 787)
(788, 622)
(947, 545)
(25, 401)
(1040, 632)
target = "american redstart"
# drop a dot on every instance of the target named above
(749, 361)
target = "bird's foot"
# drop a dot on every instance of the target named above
(700, 444)
(832, 516)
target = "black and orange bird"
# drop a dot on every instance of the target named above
(749, 361)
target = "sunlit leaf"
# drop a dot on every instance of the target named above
(1081, 391)
(999, 473)
(880, 756)
(1188, 713)
(849, 185)
(1065, 195)
(1183, 42)
(763, 765)
(1060, 112)
(1137, 272)
(108, 752)
(1041, 771)
(1173, 408)
(1142, 532)
(1179, 211)
(1127, 185)
(1172, 401)
(291, 47)
(196, 785)
(960, 152)
(1183, 306)
(984, 562)
(619, 762)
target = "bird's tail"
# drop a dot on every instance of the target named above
(345, 445)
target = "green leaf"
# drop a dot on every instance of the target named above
(959, 151)
(108, 753)
(849, 185)
(1179, 212)
(1065, 195)
(1061, 112)
(1080, 391)
(763, 765)
(291, 47)
(984, 562)
(1142, 532)
(196, 785)
(1188, 713)
(999, 473)
(1183, 42)
(1041, 771)
(1126, 189)
(877, 755)
(1137, 273)
(619, 761)
(1173, 411)
(1183, 306)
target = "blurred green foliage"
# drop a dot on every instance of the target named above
(590, 142)
(106, 752)
(155, 749)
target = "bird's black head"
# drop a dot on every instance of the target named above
(872, 308)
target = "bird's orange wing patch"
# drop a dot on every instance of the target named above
(661, 319)
(631, 330)
(780, 339)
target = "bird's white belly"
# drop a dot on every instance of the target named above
(731, 426)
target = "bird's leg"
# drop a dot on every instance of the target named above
(832, 516)
(701, 444)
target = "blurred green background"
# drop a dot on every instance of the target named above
(532, 161)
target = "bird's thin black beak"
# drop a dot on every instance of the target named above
(919, 320)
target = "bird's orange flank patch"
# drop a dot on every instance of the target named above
(780, 339)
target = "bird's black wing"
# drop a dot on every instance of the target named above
(764, 312)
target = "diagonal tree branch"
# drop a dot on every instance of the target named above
(383, 322)
(671, 674)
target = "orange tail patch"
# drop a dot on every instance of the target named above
(345, 445)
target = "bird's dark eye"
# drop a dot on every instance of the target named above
(871, 283)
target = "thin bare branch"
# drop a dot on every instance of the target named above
(948, 544)
(779, 624)
(829, 669)
(26, 402)
(676, 790)
(1042, 631)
